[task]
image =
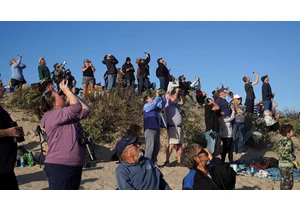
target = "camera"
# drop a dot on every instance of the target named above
(86, 142)
(17, 139)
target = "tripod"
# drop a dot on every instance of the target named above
(39, 132)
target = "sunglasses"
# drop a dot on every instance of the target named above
(202, 151)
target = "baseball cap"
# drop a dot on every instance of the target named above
(123, 143)
(237, 96)
(42, 58)
(263, 78)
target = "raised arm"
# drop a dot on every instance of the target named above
(256, 79)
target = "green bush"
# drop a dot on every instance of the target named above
(27, 98)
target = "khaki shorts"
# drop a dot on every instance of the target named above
(175, 135)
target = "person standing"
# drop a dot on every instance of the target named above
(110, 61)
(174, 125)
(287, 158)
(267, 94)
(144, 72)
(17, 77)
(153, 121)
(65, 155)
(44, 73)
(8, 149)
(162, 73)
(88, 79)
(128, 70)
(212, 127)
(250, 96)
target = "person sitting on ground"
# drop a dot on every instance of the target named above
(136, 172)
(287, 158)
(271, 122)
(173, 83)
(189, 92)
(17, 77)
(202, 176)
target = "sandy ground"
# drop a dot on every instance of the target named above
(102, 175)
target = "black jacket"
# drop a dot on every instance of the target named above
(266, 92)
(144, 67)
(223, 177)
(162, 71)
(111, 65)
(129, 75)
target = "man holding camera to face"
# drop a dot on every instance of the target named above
(8, 148)
(153, 121)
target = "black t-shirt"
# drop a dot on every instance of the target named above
(8, 148)
(211, 118)
(89, 72)
(249, 91)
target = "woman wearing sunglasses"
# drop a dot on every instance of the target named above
(203, 176)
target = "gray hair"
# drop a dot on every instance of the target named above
(267, 112)
(188, 154)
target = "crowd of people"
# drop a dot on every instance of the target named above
(224, 113)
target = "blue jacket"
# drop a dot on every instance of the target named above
(153, 118)
(140, 176)
(17, 70)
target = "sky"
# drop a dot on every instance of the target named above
(216, 51)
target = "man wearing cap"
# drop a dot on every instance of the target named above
(250, 96)
(162, 73)
(128, 70)
(44, 73)
(267, 94)
(136, 172)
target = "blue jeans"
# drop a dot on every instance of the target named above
(238, 127)
(211, 142)
(111, 81)
(267, 105)
(163, 83)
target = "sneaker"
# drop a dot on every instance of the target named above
(242, 153)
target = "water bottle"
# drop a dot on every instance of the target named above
(30, 156)
(22, 162)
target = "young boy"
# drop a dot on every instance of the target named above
(287, 158)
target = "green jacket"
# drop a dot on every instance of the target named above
(44, 72)
(286, 152)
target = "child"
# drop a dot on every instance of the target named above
(287, 158)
